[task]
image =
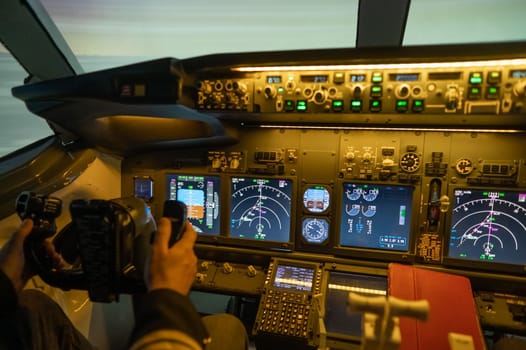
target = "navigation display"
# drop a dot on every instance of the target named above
(201, 195)
(376, 216)
(488, 225)
(260, 208)
(294, 278)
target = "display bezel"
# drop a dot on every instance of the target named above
(337, 337)
(305, 240)
(321, 212)
(256, 243)
(369, 252)
(201, 236)
(472, 264)
(288, 265)
(144, 179)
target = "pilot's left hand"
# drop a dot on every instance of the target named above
(13, 260)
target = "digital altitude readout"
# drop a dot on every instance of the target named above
(404, 76)
(518, 73)
(260, 208)
(274, 79)
(357, 78)
(201, 196)
(314, 78)
(488, 225)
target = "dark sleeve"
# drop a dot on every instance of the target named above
(167, 309)
(8, 296)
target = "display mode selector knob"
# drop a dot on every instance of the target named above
(320, 96)
(270, 91)
(519, 88)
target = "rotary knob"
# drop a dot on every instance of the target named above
(519, 88)
(452, 98)
(410, 162)
(227, 268)
(403, 91)
(205, 265)
(320, 96)
(463, 166)
(270, 91)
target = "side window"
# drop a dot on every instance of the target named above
(18, 126)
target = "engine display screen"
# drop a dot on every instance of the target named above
(488, 225)
(201, 195)
(260, 208)
(376, 216)
(294, 278)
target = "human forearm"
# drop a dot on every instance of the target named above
(171, 312)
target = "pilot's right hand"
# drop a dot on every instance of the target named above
(172, 267)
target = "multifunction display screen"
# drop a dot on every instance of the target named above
(376, 216)
(488, 225)
(201, 194)
(294, 278)
(260, 208)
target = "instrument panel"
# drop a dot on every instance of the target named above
(451, 199)
(345, 167)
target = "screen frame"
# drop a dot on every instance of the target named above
(255, 243)
(293, 265)
(170, 175)
(470, 264)
(342, 338)
(324, 212)
(376, 253)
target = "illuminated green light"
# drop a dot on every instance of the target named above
(418, 103)
(377, 77)
(493, 90)
(337, 103)
(495, 74)
(475, 90)
(475, 78)
(375, 103)
(376, 89)
(356, 103)
(289, 103)
(401, 103)
(281, 89)
(302, 105)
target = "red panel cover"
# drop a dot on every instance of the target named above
(451, 307)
